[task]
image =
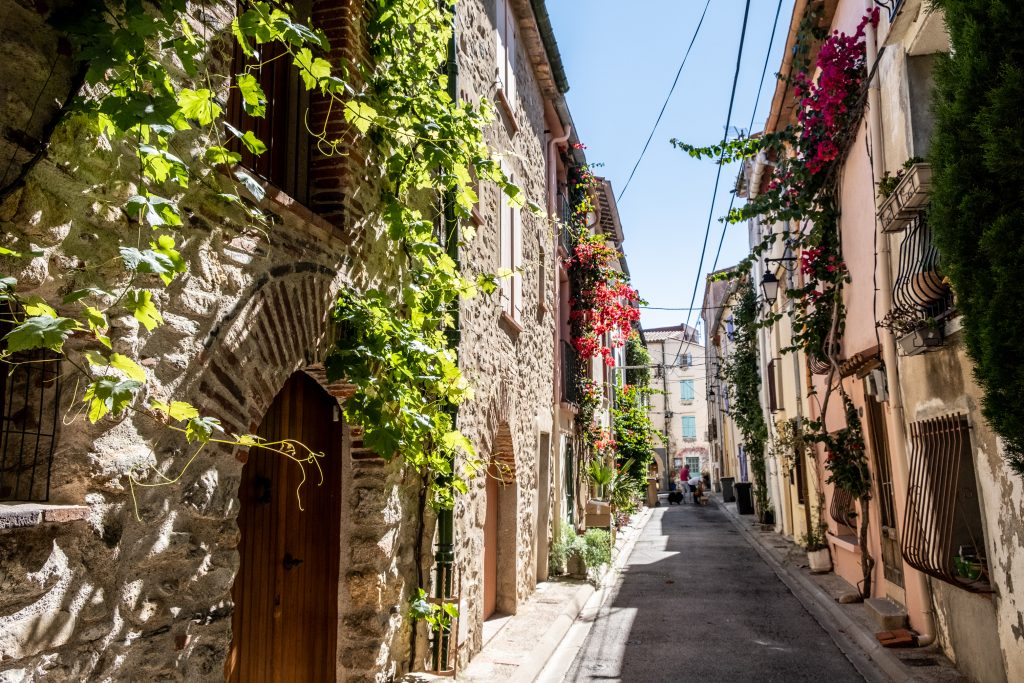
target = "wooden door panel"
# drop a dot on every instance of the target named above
(491, 544)
(285, 620)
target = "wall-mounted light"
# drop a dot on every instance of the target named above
(770, 287)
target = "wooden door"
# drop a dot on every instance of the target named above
(892, 560)
(491, 544)
(286, 590)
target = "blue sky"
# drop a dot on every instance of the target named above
(620, 58)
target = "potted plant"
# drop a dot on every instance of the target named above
(601, 476)
(968, 564)
(903, 194)
(818, 557)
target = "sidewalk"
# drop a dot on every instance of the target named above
(849, 625)
(526, 641)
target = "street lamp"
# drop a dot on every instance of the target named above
(770, 287)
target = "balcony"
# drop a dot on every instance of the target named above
(922, 300)
(908, 199)
(570, 374)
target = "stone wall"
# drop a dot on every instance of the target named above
(511, 369)
(117, 596)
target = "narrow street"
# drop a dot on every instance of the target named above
(695, 602)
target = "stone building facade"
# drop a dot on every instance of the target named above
(680, 412)
(92, 592)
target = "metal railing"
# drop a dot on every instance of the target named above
(841, 510)
(942, 532)
(30, 395)
(891, 6)
(919, 290)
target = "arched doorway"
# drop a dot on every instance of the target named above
(286, 591)
(501, 528)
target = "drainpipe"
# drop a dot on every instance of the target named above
(917, 582)
(556, 413)
(445, 554)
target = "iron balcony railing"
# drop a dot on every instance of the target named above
(919, 290)
(570, 374)
(891, 6)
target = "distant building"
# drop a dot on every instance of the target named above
(680, 410)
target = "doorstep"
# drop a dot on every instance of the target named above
(849, 625)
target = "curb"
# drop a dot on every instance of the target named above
(555, 636)
(872, 661)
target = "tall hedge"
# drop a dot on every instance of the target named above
(977, 212)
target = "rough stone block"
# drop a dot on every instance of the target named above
(886, 613)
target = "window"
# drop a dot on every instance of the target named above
(773, 395)
(693, 462)
(29, 421)
(510, 231)
(285, 163)
(507, 36)
(686, 360)
(942, 532)
(690, 427)
(686, 390)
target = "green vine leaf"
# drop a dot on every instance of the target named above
(97, 322)
(130, 368)
(201, 429)
(362, 116)
(162, 259)
(312, 69)
(176, 410)
(140, 303)
(254, 100)
(156, 211)
(110, 395)
(222, 156)
(199, 105)
(41, 332)
(158, 165)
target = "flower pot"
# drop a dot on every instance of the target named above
(920, 340)
(907, 200)
(820, 561)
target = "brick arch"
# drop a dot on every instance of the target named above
(500, 444)
(279, 327)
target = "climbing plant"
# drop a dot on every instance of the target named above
(634, 436)
(977, 202)
(740, 370)
(155, 91)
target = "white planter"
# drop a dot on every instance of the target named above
(820, 561)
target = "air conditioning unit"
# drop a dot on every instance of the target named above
(875, 385)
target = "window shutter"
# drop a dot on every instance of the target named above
(505, 250)
(511, 42)
(773, 399)
(501, 28)
(517, 263)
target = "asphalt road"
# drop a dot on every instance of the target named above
(695, 602)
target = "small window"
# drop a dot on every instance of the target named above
(510, 231)
(693, 462)
(690, 427)
(29, 421)
(686, 390)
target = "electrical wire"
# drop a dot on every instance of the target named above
(718, 174)
(665, 105)
(732, 200)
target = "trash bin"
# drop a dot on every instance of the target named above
(744, 497)
(727, 494)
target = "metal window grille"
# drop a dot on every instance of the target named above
(892, 6)
(942, 532)
(918, 290)
(30, 394)
(842, 509)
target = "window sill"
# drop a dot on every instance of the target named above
(276, 199)
(847, 542)
(14, 515)
(510, 324)
(508, 116)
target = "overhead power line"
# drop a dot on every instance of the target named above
(671, 90)
(718, 174)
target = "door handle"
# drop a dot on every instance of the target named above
(291, 562)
